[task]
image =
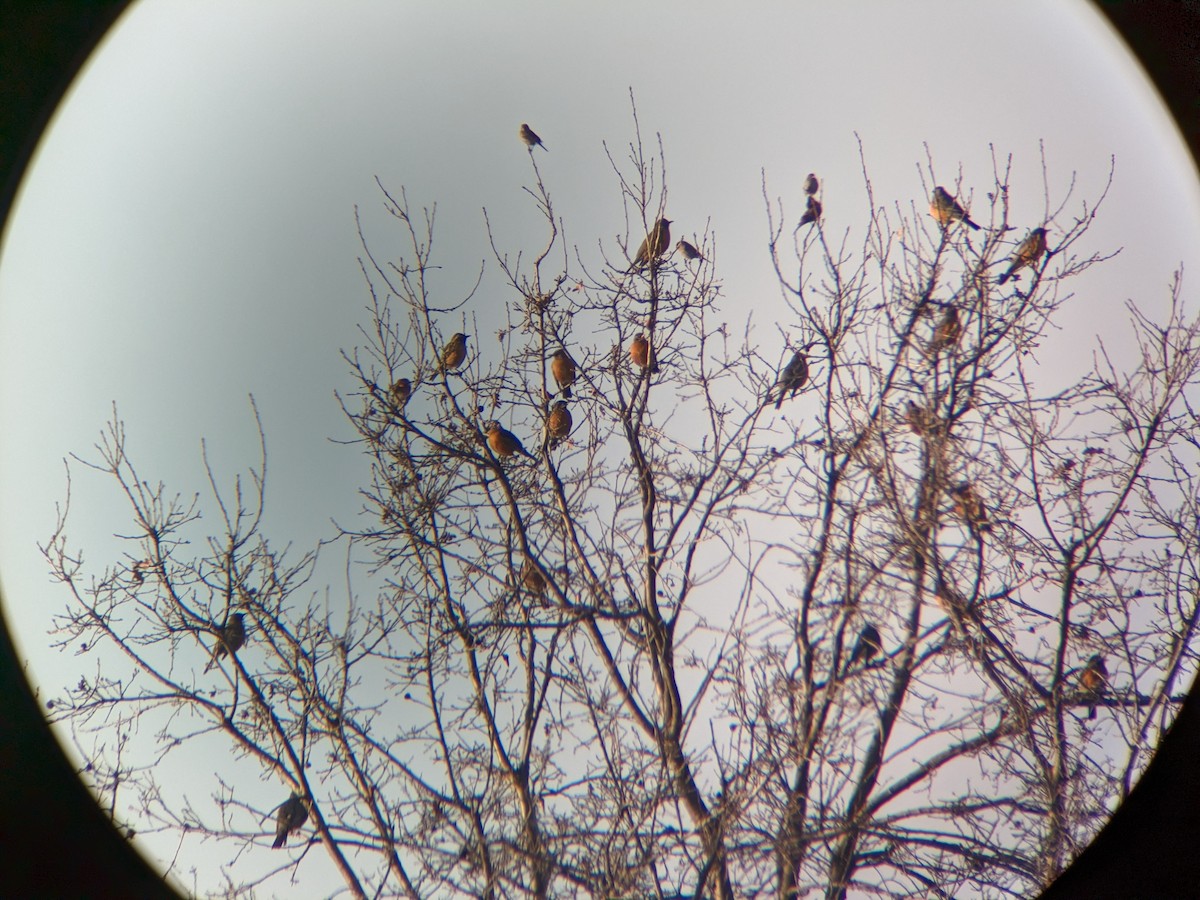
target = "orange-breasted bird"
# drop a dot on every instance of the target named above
(947, 210)
(230, 638)
(947, 332)
(454, 354)
(293, 813)
(1028, 253)
(969, 508)
(530, 138)
(793, 377)
(504, 443)
(400, 392)
(868, 646)
(558, 423)
(653, 245)
(642, 353)
(811, 185)
(812, 212)
(689, 251)
(562, 367)
(1092, 681)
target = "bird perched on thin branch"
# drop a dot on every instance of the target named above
(947, 210)
(558, 423)
(532, 578)
(811, 185)
(504, 443)
(1027, 254)
(689, 251)
(969, 508)
(454, 354)
(230, 638)
(947, 332)
(793, 377)
(562, 367)
(642, 353)
(654, 244)
(1092, 681)
(530, 138)
(400, 392)
(867, 647)
(293, 813)
(811, 213)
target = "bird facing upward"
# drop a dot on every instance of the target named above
(292, 814)
(793, 377)
(230, 638)
(562, 367)
(530, 138)
(1027, 254)
(454, 354)
(947, 210)
(653, 245)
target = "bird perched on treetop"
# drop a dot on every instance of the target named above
(503, 442)
(868, 646)
(1028, 253)
(562, 367)
(947, 331)
(293, 813)
(558, 423)
(653, 245)
(811, 185)
(230, 638)
(1093, 680)
(530, 138)
(689, 252)
(793, 377)
(812, 213)
(454, 354)
(946, 209)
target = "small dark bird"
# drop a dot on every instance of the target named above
(793, 377)
(230, 638)
(969, 508)
(558, 423)
(533, 579)
(642, 354)
(504, 443)
(400, 392)
(916, 417)
(946, 209)
(812, 213)
(562, 367)
(454, 354)
(530, 138)
(811, 185)
(689, 252)
(868, 646)
(1028, 253)
(293, 813)
(947, 332)
(654, 244)
(1092, 681)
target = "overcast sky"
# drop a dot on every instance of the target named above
(186, 235)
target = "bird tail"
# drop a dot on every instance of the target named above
(969, 222)
(280, 840)
(1092, 711)
(566, 392)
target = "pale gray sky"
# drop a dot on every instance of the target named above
(186, 234)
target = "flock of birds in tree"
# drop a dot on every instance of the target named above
(968, 506)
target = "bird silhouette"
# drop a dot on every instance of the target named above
(653, 245)
(1092, 681)
(867, 647)
(811, 213)
(562, 367)
(689, 252)
(530, 138)
(947, 210)
(293, 813)
(793, 377)
(811, 185)
(1027, 254)
(454, 354)
(230, 638)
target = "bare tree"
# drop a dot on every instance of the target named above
(665, 607)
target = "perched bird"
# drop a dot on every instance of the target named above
(793, 377)
(642, 353)
(504, 443)
(812, 213)
(654, 244)
(293, 813)
(867, 647)
(916, 418)
(1028, 253)
(1092, 681)
(947, 332)
(532, 578)
(969, 508)
(562, 367)
(454, 354)
(230, 638)
(400, 392)
(558, 424)
(946, 209)
(811, 185)
(689, 252)
(530, 138)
